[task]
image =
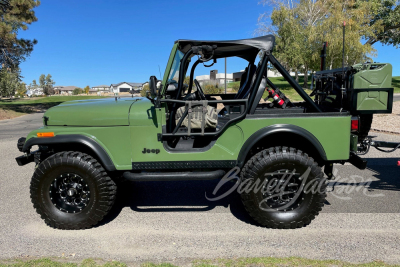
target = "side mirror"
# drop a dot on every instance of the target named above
(153, 86)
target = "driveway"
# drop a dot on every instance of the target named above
(173, 221)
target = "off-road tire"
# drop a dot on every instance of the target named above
(278, 158)
(102, 190)
(365, 126)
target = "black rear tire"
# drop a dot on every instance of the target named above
(290, 210)
(365, 126)
(93, 204)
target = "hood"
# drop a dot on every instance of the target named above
(93, 112)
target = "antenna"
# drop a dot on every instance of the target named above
(343, 89)
(344, 34)
(323, 55)
(159, 70)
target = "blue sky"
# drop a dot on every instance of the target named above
(95, 42)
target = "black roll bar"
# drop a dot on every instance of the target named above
(192, 74)
(257, 82)
(293, 82)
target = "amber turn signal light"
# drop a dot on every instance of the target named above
(51, 134)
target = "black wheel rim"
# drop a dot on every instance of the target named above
(282, 190)
(69, 193)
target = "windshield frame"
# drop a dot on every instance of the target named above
(169, 67)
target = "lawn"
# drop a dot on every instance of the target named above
(285, 87)
(396, 84)
(236, 262)
(44, 100)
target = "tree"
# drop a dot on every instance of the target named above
(302, 26)
(388, 16)
(34, 84)
(46, 83)
(87, 89)
(9, 82)
(21, 89)
(15, 15)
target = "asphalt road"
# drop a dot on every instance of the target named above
(396, 97)
(172, 221)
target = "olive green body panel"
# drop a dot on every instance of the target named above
(93, 112)
(115, 140)
(365, 84)
(332, 132)
(143, 113)
(125, 144)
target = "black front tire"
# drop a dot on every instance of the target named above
(100, 186)
(288, 211)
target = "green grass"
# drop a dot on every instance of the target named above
(292, 261)
(237, 262)
(396, 84)
(44, 100)
(285, 87)
(60, 263)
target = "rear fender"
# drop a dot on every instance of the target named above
(261, 136)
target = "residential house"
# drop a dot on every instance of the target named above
(35, 92)
(102, 88)
(215, 77)
(64, 90)
(125, 87)
(219, 78)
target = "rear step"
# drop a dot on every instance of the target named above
(173, 176)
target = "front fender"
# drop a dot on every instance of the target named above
(97, 149)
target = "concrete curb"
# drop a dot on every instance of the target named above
(384, 131)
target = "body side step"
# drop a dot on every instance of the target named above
(173, 176)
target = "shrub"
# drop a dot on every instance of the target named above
(234, 86)
(77, 91)
(144, 90)
(210, 88)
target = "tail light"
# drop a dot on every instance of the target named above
(355, 124)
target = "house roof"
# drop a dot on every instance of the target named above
(68, 88)
(101, 86)
(131, 84)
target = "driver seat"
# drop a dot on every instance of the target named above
(245, 82)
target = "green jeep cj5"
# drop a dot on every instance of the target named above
(278, 147)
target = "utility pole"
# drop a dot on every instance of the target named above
(225, 75)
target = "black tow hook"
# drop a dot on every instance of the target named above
(358, 161)
(25, 159)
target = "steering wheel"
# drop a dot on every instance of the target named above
(199, 91)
